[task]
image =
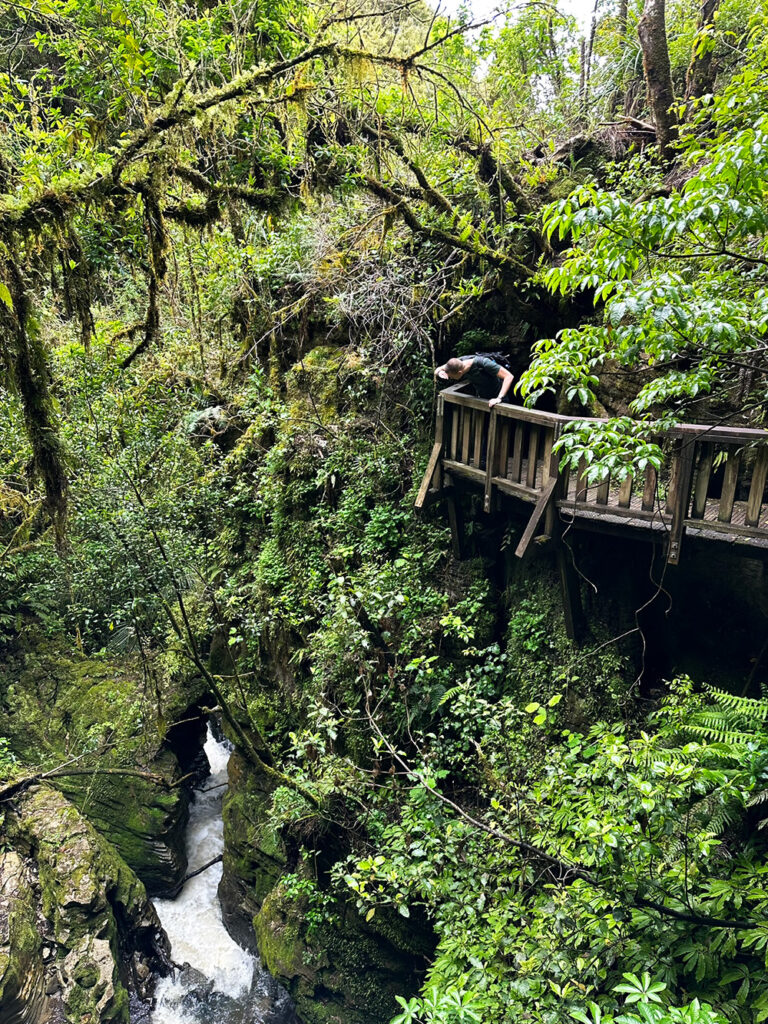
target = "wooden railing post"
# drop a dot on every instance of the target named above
(490, 460)
(562, 480)
(681, 472)
(756, 489)
(704, 472)
(730, 483)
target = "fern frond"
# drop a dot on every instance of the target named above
(449, 695)
(728, 720)
(752, 709)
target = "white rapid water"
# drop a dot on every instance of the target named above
(226, 984)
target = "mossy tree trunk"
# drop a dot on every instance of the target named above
(26, 360)
(700, 76)
(652, 31)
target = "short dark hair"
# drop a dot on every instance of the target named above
(454, 366)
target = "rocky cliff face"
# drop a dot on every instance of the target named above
(344, 971)
(254, 859)
(340, 971)
(133, 782)
(77, 932)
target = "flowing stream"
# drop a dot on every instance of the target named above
(223, 984)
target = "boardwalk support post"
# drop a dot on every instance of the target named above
(541, 507)
(569, 589)
(455, 523)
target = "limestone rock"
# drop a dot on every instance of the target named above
(22, 974)
(57, 703)
(91, 907)
(87, 975)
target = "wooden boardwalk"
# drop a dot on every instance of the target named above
(712, 483)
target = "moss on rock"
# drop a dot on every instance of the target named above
(329, 379)
(59, 704)
(93, 907)
(253, 855)
(21, 963)
(342, 971)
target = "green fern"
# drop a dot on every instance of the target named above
(450, 694)
(727, 719)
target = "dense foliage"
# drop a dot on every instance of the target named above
(235, 238)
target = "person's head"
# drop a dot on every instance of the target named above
(453, 368)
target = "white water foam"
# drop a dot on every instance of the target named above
(193, 920)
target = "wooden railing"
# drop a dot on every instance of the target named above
(712, 482)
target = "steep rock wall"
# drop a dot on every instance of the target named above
(78, 933)
(59, 703)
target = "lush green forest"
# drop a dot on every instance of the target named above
(236, 239)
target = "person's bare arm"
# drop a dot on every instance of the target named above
(506, 379)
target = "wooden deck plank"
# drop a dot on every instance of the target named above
(515, 490)
(462, 469)
(646, 518)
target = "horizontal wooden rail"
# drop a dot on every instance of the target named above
(712, 482)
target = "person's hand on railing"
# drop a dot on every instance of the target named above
(493, 401)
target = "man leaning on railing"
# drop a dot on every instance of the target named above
(489, 378)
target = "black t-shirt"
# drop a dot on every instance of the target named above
(484, 375)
